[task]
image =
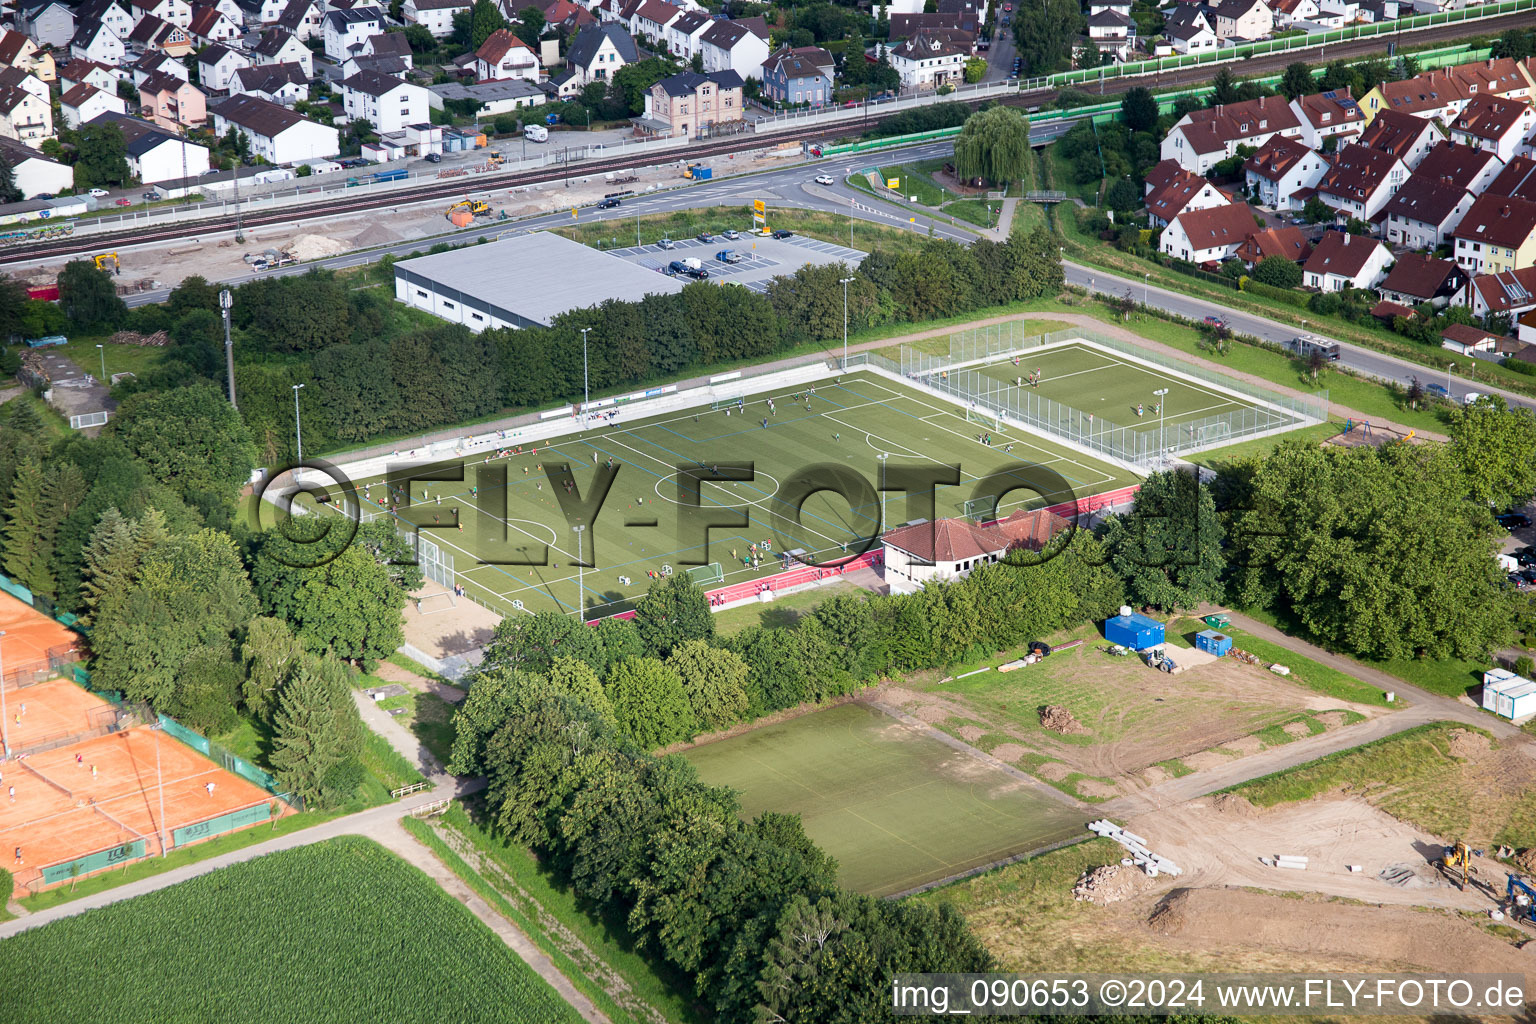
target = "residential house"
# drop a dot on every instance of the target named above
(1434, 95)
(154, 64)
(946, 550)
(392, 45)
(690, 104)
(84, 102)
(34, 173)
(156, 35)
(1287, 12)
(1424, 212)
(216, 67)
(926, 62)
(1416, 279)
(210, 25)
(1288, 243)
(1518, 179)
(1462, 166)
(494, 98)
(650, 20)
(17, 51)
(1503, 77)
(98, 44)
(89, 72)
(349, 27)
(503, 55)
(229, 8)
(175, 12)
(36, 86)
(1359, 182)
(24, 117)
(156, 155)
(302, 19)
(684, 33)
(1406, 137)
(1510, 291)
(1210, 235)
(280, 47)
(1328, 115)
(1466, 340)
(1342, 260)
(1243, 20)
(277, 134)
(1280, 169)
(740, 46)
(799, 75)
(1494, 124)
(48, 23)
(259, 13)
(1113, 32)
(1498, 233)
(1180, 191)
(905, 26)
(171, 103)
(562, 18)
(1203, 138)
(387, 103)
(394, 67)
(436, 16)
(283, 84)
(1188, 29)
(598, 51)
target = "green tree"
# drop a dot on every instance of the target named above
(102, 155)
(272, 654)
(1496, 447)
(394, 554)
(1278, 272)
(634, 81)
(1123, 196)
(673, 611)
(316, 732)
(1168, 548)
(994, 144)
(777, 677)
(495, 695)
(189, 439)
(533, 642)
(485, 20)
(25, 557)
(975, 69)
(1297, 80)
(1316, 211)
(714, 680)
(1045, 33)
(649, 702)
(193, 293)
(348, 606)
(88, 296)
(116, 548)
(1224, 87)
(9, 193)
(530, 25)
(882, 77)
(1138, 109)
(850, 625)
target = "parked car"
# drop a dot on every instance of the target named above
(705, 237)
(1529, 575)
(677, 267)
(98, 192)
(730, 234)
(1216, 321)
(608, 204)
(728, 256)
(1514, 579)
(1438, 390)
(44, 195)
(825, 179)
(1526, 556)
(783, 233)
(434, 158)
(123, 202)
(1513, 520)
(150, 197)
(697, 273)
(666, 243)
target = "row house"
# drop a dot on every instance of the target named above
(156, 35)
(1511, 292)
(283, 84)
(650, 19)
(1497, 125)
(17, 51)
(216, 67)
(1204, 138)
(1359, 182)
(276, 133)
(1498, 233)
(1287, 243)
(84, 102)
(24, 117)
(1424, 212)
(302, 19)
(1433, 95)
(1280, 169)
(1404, 136)
(277, 46)
(1518, 179)
(172, 103)
(210, 25)
(436, 16)
(1171, 190)
(1328, 115)
(684, 33)
(1342, 260)
(1472, 169)
(1188, 29)
(89, 72)
(1210, 235)
(1416, 279)
(740, 46)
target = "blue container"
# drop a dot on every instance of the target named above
(1210, 640)
(1135, 631)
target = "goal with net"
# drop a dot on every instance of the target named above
(984, 417)
(711, 573)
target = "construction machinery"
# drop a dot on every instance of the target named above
(1157, 658)
(1457, 861)
(476, 207)
(495, 157)
(108, 261)
(1522, 900)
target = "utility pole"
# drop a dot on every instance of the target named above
(580, 566)
(586, 384)
(226, 301)
(845, 282)
(298, 433)
(239, 229)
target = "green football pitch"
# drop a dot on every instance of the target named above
(643, 527)
(896, 806)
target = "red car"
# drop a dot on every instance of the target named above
(1216, 321)
(123, 202)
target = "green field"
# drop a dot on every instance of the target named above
(340, 931)
(643, 528)
(896, 807)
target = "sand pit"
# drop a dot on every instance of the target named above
(971, 733)
(1097, 790)
(1218, 841)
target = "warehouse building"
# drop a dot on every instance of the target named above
(524, 281)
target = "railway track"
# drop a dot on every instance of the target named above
(457, 187)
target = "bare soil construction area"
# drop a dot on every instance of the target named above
(1129, 725)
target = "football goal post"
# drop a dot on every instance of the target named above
(706, 574)
(980, 510)
(983, 416)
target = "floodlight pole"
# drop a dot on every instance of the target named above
(298, 432)
(580, 566)
(5, 733)
(226, 301)
(160, 784)
(845, 282)
(586, 383)
(1162, 456)
(1448, 368)
(882, 457)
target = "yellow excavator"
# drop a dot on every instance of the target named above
(108, 261)
(1457, 861)
(476, 207)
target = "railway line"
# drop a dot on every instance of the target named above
(458, 187)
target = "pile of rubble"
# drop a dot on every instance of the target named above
(1110, 884)
(1058, 719)
(157, 340)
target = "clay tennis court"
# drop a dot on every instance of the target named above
(30, 639)
(54, 712)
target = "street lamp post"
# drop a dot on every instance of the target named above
(298, 432)
(845, 282)
(1146, 290)
(103, 350)
(227, 302)
(586, 387)
(580, 575)
(882, 457)
(1448, 368)
(1161, 448)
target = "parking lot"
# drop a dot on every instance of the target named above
(763, 257)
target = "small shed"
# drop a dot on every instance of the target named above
(1213, 642)
(1133, 630)
(1508, 695)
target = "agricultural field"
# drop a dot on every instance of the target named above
(340, 931)
(895, 806)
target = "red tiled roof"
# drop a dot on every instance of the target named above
(1419, 276)
(1276, 157)
(1341, 254)
(1217, 226)
(1510, 289)
(1466, 334)
(1498, 220)
(1288, 242)
(956, 540)
(1394, 132)
(1489, 117)
(1457, 165)
(1357, 171)
(1169, 201)
(1425, 200)
(1233, 121)
(1518, 179)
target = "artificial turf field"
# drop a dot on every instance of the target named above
(1094, 380)
(848, 424)
(895, 806)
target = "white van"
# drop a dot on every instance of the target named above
(535, 133)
